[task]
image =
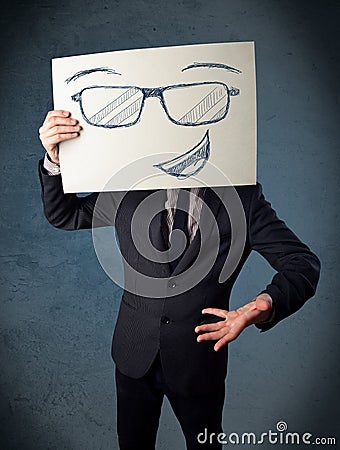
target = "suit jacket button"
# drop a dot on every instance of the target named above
(165, 319)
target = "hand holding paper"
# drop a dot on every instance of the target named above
(58, 126)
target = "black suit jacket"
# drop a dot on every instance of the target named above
(189, 367)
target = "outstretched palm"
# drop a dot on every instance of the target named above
(234, 322)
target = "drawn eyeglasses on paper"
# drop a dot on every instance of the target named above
(185, 104)
(190, 104)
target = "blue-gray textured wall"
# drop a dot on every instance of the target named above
(58, 308)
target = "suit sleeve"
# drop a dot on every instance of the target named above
(68, 211)
(297, 267)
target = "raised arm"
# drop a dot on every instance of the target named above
(65, 211)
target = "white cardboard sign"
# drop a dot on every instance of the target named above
(176, 111)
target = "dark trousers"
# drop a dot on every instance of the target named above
(139, 403)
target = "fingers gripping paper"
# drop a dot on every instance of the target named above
(159, 118)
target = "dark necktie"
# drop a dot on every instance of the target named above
(181, 220)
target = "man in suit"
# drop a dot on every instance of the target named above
(176, 344)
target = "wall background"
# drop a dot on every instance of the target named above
(58, 308)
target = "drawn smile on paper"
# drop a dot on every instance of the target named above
(190, 162)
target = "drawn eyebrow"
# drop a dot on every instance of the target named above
(197, 65)
(88, 71)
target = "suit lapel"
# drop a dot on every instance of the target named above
(157, 237)
(213, 203)
(156, 234)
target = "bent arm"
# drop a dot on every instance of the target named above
(297, 267)
(68, 211)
